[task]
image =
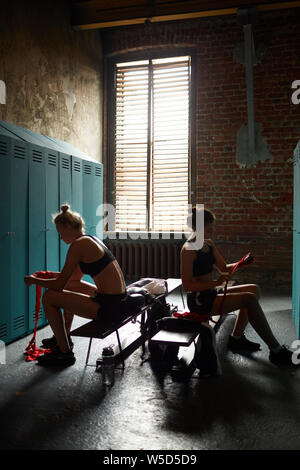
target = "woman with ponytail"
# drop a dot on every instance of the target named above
(205, 295)
(66, 290)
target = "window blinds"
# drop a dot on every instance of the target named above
(152, 144)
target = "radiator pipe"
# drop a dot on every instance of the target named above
(246, 18)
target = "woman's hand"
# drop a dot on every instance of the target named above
(223, 278)
(29, 280)
(248, 259)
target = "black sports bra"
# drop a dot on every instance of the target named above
(204, 261)
(95, 267)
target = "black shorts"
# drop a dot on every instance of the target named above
(202, 301)
(111, 306)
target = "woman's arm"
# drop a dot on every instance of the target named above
(189, 283)
(59, 282)
(220, 263)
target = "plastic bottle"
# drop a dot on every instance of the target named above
(108, 366)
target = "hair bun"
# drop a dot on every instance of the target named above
(65, 208)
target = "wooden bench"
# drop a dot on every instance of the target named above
(132, 337)
(186, 340)
(187, 345)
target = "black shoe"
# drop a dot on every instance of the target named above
(57, 358)
(282, 357)
(51, 343)
(242, 344)
(207, 359)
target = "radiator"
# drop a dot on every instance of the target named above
(152, 259)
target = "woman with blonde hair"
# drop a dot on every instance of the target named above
(102, 300)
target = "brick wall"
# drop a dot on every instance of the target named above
(254, 204)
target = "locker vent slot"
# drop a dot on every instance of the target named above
(3, 149)
(19, 152)
(98, 171)
(52, 160)
(33, 315)
(77, 166)
(87, 169)
(19, 322)
(37, 156)
(65, 163)
(3, 330)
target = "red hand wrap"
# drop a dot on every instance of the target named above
(32, 352)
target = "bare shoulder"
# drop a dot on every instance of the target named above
(188, 249)
(86, 243)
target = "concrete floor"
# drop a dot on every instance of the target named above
(253, 405)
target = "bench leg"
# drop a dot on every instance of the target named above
(143, 333)
(88, 353)
(182, 298)
(120, 348)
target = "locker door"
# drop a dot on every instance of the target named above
(93, 197)
(52, 208)
(5, 238)
(37, 229)
(65, 195)
(296, 242)
(88, 190)
(296, 287)
(296, 280)
(98, 194)
(19, 248)
(77, 184)
(87, 201)
(297, 254)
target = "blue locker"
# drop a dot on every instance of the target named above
(77, 184)
(65, 195)
(294, 310)
(27, 135)
(19, 239)
(92, 188)
(37, 223)
(5, 238)
(52, 208)
(38, 175)
(296, 242)
(87, 188)
(92, 197)
(98, 198)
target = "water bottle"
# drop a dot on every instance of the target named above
(108, 366)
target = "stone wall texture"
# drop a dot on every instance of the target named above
(53, 74)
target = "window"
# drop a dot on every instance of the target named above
(151, 144)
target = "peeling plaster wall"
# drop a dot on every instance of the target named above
(53, 74)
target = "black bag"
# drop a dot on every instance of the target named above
(182, 325)
(166, 353)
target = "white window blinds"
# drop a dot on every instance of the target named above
(152, 144)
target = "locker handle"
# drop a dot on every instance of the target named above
(46, 230)
(11, 233)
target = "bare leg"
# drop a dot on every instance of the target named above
(57, 324)
(242, 317)
(247, 302)
(72, 302)
(83, 288)
(68, 318)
